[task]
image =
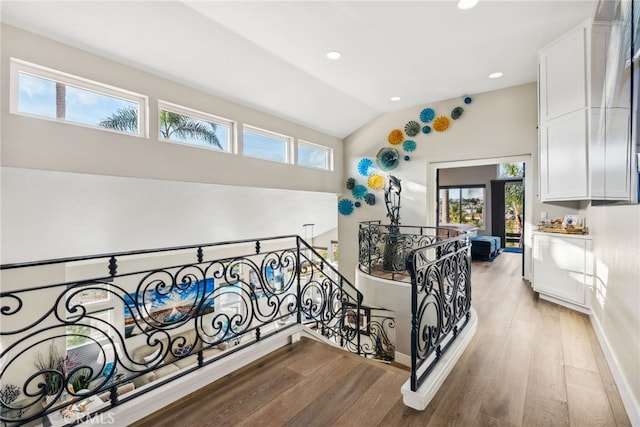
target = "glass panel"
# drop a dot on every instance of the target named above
(91, 326)
(473, 206)
(265, 147)
(315, 157)
(46, 98)
(191, 130)
(511, 170)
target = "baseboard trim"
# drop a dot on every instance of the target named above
(631, 404)
(420, 398)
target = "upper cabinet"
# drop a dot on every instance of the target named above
(563, 74)
(584, 112)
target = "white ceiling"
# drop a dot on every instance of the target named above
(271, 54)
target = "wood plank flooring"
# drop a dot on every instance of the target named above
(531, 363)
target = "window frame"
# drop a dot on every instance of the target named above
(199, 115)
(318, 147)
(18, 66)
(461, 188)
(99, 307)
(286, 139)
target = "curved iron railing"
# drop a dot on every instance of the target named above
(383, 248)
(440, 301)
(126, 316)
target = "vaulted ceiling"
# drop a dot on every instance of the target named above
(271, 54)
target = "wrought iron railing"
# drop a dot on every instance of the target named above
(79, 328)
(383, 248)
(440, 301)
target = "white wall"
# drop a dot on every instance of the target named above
(616, 295)
(69, 190)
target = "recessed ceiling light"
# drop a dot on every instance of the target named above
(467, 4)
(495, 75)
(395, 98)
(334, 54)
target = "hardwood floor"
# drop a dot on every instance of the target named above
(531, 363)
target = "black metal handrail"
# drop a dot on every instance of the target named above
(383, 248)
(131, 314)
(440, 301)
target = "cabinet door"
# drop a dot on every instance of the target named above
(560, 267)
(617, 156)
(563, 75)
(563, 158)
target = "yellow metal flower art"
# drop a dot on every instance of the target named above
(441, 124)
(375, 182)
(395, 137)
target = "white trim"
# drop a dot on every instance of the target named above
(432, 193)
(420, 398)
(631, 404)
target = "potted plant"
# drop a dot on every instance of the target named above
(51, 366)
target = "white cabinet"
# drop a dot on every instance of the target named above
(584, 125)
(563, 74)
(563, 269)
(563, 159)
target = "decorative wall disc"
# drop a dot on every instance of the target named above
(456, 113)
(409, 145)
(441, 124)
(359, 191)
(351, 182)
(376, 182)
(364, 166)
(427, 115)
(395, 137)
(345, 207)
(426, 129)
(388, 158)
(412, 128)
(370, 199)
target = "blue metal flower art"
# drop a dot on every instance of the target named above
(388, 158)
(359, 191)
(427, 115)
(370, 199)
(407, 158)
(426, 129)
(364, 166)
(409, 145)
(345, 207)
(467, 100)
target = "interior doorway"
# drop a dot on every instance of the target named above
(507, 214)
(527, 187)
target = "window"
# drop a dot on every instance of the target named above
(184, 125)
(96, 320)
(461, 205)
(265, 144)
(314, 156)
(46, 93)
(511, 170)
